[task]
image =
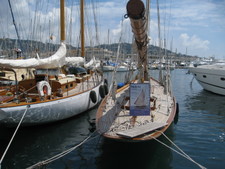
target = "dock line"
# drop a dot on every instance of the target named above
(62, 154)
(28, 106)
(182, 153)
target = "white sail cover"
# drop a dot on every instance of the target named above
(54, 61)
(93, 63)
(74, 61)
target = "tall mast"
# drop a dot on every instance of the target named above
(14, 23)
(160, 46)
(62, 21)
(136, 13)
(82, 27)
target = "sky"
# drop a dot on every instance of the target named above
(195, 27)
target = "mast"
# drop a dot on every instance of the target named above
(82, 27)
(62, 21)
(136, 13)
(160, 46)
(14, 23)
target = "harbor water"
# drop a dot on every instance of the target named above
(199, 132)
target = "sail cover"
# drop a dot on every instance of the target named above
(74, 61)
(54, 61)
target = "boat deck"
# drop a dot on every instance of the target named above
(81, 86)
(116, 119)
(84, 85)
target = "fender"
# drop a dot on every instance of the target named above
(102, 91)
(106, 89)
(93, 96)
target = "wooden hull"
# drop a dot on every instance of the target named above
(104, 121)
(53, 110)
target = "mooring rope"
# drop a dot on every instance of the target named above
(62, 154)
(182, 153)
(13, 136)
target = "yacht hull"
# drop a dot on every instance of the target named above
(49, 111)
(210, 77)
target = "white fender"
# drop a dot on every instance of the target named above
(44, 84)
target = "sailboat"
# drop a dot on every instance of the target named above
(55, 93)
(144, 108)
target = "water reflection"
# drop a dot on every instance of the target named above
(207, 102)
(144, 155)
(35, 144)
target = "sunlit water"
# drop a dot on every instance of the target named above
(200, 132)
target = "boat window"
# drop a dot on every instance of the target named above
(204, 76)
(222, 78)
(195, 74)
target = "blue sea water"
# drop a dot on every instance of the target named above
(199, 132)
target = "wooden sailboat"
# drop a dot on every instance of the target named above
(54, 94)
(132, 114)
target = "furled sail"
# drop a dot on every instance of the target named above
(136, 13)
(74, 61)
(90, 63)
(54, 61)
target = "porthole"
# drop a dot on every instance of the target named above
(222, 78)
(204, 76)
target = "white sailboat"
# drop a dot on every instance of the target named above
(52, 95)
(117, 118)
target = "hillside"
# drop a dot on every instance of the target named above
(7, 46)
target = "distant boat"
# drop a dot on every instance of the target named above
(122, 68)
(117, 117)
(55, 93)
(210, 77)
(108, 66)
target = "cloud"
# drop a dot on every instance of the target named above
(204, 18)
(123, 30)
(194, 42)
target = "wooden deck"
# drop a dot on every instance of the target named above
(115, 120)
(140, 130)
(83, 86)
(89, 83)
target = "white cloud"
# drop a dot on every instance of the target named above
(194, 42)
(122, 29)
(202, 21)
